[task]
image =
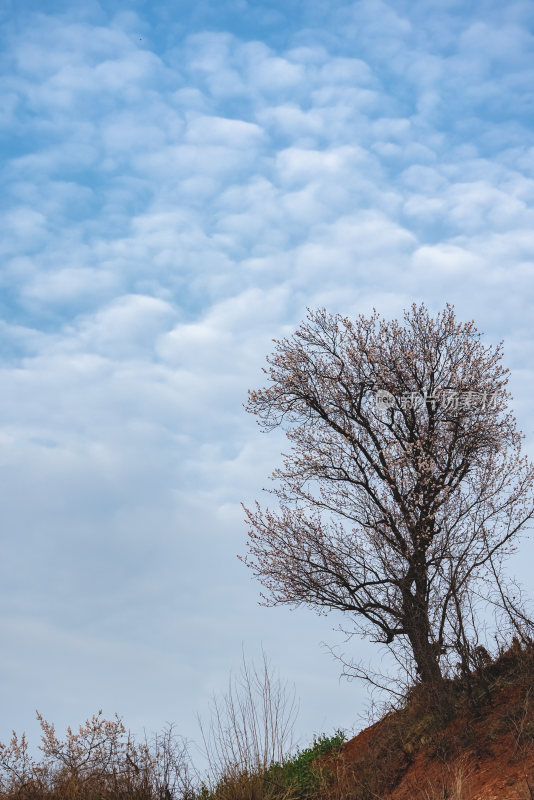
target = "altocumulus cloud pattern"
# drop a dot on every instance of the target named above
(179, 182)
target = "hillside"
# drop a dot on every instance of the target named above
(471, 740)
(478, 746)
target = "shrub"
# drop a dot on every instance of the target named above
(101, 761)
(308, 769)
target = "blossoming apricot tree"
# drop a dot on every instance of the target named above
(398, 507)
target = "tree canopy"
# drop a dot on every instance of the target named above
(405, 486)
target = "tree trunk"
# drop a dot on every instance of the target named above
(417, 628)
(425, 654)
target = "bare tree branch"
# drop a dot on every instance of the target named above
(396, 514)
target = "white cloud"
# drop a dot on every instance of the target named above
(67, 284)
(172, 203)
(447, 258)
(298, 165)
(218, 130)
(25, 226)
(129, 325)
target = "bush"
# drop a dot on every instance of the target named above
(308, 769)
(102, 761)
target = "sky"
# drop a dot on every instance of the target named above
(180, 182)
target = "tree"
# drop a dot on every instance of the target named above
(405, 486)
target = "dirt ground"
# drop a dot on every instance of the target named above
(485, 757)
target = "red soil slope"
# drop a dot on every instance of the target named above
(487, 755)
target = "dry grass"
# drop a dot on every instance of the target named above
(258, 785)
(101, 761)
(450, 786)
(251, 725)
(428, 746)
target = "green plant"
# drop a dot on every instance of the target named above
(308, 768)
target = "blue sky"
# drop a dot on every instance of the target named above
(179, 182)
